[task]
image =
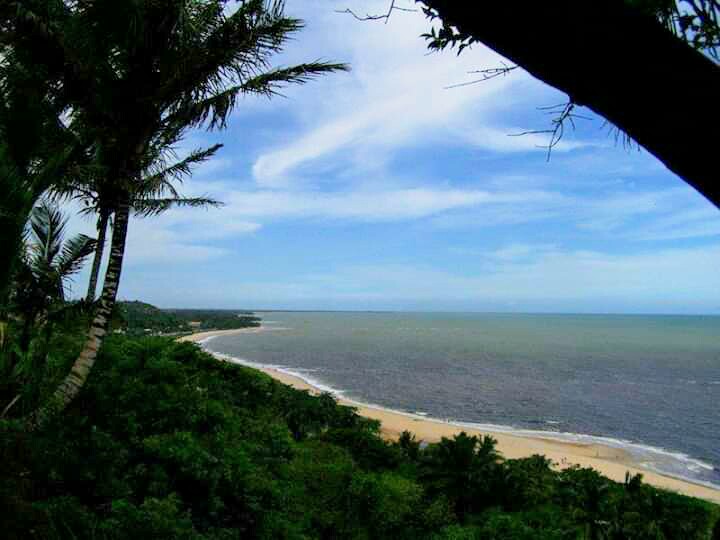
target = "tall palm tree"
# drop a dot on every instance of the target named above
(139, 74)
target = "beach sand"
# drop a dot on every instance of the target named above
(611, 462)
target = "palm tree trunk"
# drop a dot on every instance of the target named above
(73, 383)
(102, 229)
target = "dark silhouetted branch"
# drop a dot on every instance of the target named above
(485, 75)
(385, 16)
(564, 114)
(619, 62)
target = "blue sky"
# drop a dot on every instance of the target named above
(382, 189)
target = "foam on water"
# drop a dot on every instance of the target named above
(659, 460)
(299, 373)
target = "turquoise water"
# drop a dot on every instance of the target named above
(649, 384)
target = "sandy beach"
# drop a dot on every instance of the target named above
(611, 462)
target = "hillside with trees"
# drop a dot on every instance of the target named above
(167, 442)
(139, 318)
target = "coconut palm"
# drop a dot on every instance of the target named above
(155, 194)
(139, 74)
(48, 263)
(36, 149)
(463, 468)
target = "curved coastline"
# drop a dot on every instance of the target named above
(613, 458)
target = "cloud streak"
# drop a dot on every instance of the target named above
(396, 95)
(542, 279)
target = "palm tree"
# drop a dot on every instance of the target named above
(139, 74)
(47, 264)
(462, 468)
(36, 149)
(155, 195)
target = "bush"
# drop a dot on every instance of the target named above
(167, 442)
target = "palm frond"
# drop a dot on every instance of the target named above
(268, 83)
(80, 182)
(74, 253)
(48, 227)
(152, 207)
(233, 58)
(177, 171)
(218, 107)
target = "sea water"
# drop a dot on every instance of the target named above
(647, 384)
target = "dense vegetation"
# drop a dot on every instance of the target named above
(139, 318)
(160, 440)
(217, 319)
(167, 442)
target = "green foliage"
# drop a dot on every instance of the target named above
(36, 149)
(464, 469)
(167, 442)
(409, 445)
(366, 447)
(49, 263)
(695, 22)
(217, 319)
(139, 319)
(29, 372)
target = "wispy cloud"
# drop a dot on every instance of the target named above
(581, 278)
(374, 206)
(386, 155)
(550, 280)
(515, 252)
(697, 221)
(397, 95)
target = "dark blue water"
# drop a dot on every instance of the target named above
(649, 384)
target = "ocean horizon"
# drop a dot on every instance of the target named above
(642, 383)
(714, 313)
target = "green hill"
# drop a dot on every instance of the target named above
(137, 318)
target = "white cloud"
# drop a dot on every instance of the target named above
(693, 222)
(371, 206)
(513, 252)
(148, 247)
(396, 95)
(161, 240)
(667, 281)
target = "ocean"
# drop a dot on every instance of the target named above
(647, 384)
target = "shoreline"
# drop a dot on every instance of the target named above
(608, 460)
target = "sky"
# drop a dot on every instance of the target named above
(383, 189)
